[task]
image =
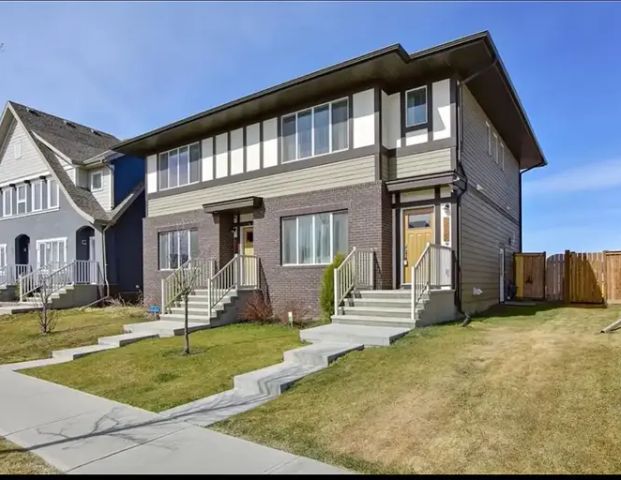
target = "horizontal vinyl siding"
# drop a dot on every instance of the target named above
(500, 186)
(421, 164)
(29, 164)
(332, 175)
(103, 196)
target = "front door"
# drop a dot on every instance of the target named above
(247, 240)
(248, 264)
(417, 233)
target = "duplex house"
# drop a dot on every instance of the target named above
(409, 164)
(70, 210)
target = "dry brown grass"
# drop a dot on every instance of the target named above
(521, 390)
(17, 461)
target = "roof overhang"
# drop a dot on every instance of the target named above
(474, 56)
(240, 204)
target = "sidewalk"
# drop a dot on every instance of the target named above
(81, 433)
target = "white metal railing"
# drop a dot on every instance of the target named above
(53, 277)
(242, 271)
(434, 269)
(356, 271)
(29, 283)
(194, 273)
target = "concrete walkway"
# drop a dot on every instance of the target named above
(81, 433)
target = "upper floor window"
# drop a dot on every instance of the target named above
(22, 200)
(313, 239)
(37, 196)
(416, 107)
(96, 181)
(17, 148)
(316, 131)
(7, 202)
(179, 166)
(176, 248)
(52, 194)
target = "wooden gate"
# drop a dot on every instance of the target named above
(584, 277)
(613, 276)
(555, 277)
(530, 274)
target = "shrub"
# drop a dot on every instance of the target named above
(326, 294)
(257, 309)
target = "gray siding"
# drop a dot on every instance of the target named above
(484, 230)
(30, 164)
(333, 175)
(420, 164)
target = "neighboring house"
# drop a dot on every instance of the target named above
(385, 153)
(70, 209)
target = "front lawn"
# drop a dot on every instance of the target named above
(155, 375)
(520, 390)
(17, 461)
(21, 340)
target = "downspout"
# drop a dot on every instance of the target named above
(105, 259)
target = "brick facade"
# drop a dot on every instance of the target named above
(369, 222)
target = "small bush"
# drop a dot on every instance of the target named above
(257, 309)
(326, 294)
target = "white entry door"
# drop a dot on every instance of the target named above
(501, 259)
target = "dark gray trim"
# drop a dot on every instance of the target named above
(437, 203)
(420, 148)
(430, 111)
(233, 205)
(454, 158)
(350, 122)
(245, 147)
(279, 144)
(420, 126)
(421, 182)
(377, 125)
(281, 168)
(213, 145)
(454, 112)
(261, 153)
(228, 152)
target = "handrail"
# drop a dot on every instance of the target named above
(196, 271)
(432, 270)
(29, 283)
(242, 271)
(54, 278)
(9, 274)
(356, 270)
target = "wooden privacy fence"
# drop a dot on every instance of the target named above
(573, 277)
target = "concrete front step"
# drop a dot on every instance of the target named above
(384, 294)
(381, 302)
(344, 333)
(403, 312)
(273, 380)
(373, 321)
(163, 328)
(73, 353)
(125, 339)
(320, 354)
(192, 317)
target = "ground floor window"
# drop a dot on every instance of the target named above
(51, 253)
(313, 239)
(177, 247)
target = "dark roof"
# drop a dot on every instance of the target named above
(388, 67)
(78, 142)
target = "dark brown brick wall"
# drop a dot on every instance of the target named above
(369, 220)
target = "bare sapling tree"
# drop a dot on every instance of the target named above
(47, 316)
(186, 279)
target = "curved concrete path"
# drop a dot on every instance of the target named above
(81, 433)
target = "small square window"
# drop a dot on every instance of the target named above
(96, 181)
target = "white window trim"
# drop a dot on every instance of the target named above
(312, 109)
(44, 241)
(49, 194)
(7, 201)
(314, 245)
(91, 177)
(24, 201)
(38, 184)
(405, 105)
(189, 145)
(177, 232)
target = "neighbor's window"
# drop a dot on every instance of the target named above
(7, 202)
(52, 194)
(22, 202)
(176, 248)
(416, 107)
(37, 196)
(316, 131)
(313, 239)
(96, 181)
(179, 166)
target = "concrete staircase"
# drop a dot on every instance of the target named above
(68, 296)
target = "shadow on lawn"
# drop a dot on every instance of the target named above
(531, 308)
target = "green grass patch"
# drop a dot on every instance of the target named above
(20, 338)
(520, 390)
(15, 460)
(155, 375)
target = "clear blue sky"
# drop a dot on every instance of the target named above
(130, 67)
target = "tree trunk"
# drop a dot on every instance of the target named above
(186, 333)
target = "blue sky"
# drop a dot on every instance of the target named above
(130, 67)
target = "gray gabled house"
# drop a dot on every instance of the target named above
(70, 210)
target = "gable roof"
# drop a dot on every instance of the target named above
(473, 58)
(77, 142)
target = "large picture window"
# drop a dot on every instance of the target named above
(52, 253)
(179, 166)
(313, 239)
(416, 107)
(316, 131)
(176, 248)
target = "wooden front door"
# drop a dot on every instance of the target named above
(530, 274)
(247, 240)
(417, 233)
